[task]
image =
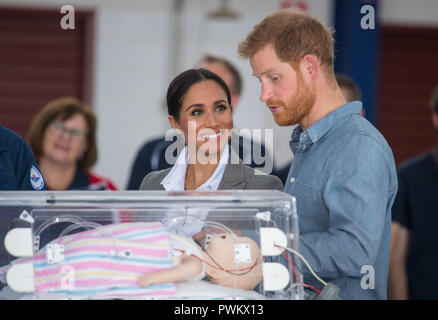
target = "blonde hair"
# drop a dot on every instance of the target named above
(293, 34)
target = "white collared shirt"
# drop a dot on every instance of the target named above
(175, 179)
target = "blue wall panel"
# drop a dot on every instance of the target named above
(356, 49)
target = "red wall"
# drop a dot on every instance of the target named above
(408, 71)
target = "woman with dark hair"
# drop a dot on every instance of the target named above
(199, 106)
(63, 139)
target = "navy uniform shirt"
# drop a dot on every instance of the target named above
(416, 208)
(18, 169)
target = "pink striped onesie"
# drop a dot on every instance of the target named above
(106, 262)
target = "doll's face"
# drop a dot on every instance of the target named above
(239, 275)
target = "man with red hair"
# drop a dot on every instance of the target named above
(343, 172)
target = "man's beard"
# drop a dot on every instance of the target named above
(298, 106)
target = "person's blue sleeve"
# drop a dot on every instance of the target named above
(28, 174)
(360, 185)
(140, 168)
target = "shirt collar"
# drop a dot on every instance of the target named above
(175, 179)
(322, 126)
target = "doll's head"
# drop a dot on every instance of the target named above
(237, 261)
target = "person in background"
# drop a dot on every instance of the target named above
(18, 169)
(63, 138)
(151, 156)
(349, 88)
(343, 173)
(350, 91)
(18, 172)
(413, 260)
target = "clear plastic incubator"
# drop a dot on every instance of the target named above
(149, 245)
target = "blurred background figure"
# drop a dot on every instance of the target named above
(18, 169)
(228, 72)
(151, 156)
(63, 138)
(413, 260)
(351, 92)
(349, 88)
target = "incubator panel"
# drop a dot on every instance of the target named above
(149, 245)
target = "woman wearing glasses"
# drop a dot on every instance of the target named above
(63, 139)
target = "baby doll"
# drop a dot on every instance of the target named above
(112, 260)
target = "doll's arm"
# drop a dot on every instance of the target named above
(188, 268)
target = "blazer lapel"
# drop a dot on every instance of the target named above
(234, 174)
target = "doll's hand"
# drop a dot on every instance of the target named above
(145, 280)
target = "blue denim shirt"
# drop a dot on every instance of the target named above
(344, 178)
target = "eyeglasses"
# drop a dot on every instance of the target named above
(59, 127)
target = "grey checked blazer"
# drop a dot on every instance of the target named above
(236, 176)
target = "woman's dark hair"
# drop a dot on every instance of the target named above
(183, 82)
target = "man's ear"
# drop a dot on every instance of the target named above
(309, 66)
(174, 124)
